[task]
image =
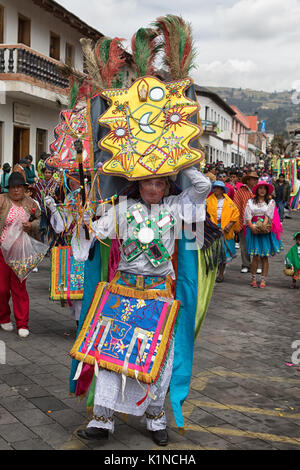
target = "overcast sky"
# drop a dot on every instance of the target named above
(240, 43)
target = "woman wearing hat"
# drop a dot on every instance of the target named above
(15, 206)
(224, 213)
(263, 231)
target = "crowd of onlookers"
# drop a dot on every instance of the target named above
(248, 204)
(233, 176)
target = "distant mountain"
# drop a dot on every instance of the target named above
(276, 108)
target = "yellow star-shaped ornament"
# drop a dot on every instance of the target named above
(150, 131)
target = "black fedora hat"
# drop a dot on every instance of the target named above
(6, 167)
(16, 179)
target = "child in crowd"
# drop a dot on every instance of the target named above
(292, 260)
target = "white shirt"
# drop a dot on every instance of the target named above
(188, 206)
(260, 209)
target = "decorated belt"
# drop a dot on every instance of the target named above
(141, 285)
(141, 282)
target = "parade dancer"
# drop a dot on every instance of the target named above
(132, 342)
(108, 390)
(63, 223)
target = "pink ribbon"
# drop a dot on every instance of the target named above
(139, 341)
(69, 277)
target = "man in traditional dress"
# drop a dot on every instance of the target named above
(189, 206)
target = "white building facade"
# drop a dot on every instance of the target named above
(216, 121)
(240, 152)
(35, 36)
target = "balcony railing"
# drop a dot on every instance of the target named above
(209, 126)
(20, 59)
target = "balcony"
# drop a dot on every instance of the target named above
(209, 126)
(27, 72)
(227, 136)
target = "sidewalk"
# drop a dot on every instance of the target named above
(243, 395)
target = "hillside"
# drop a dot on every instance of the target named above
(276, 108)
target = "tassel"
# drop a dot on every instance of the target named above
(149, 294)
(153, 397)
(78, 371)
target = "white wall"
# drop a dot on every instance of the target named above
(219, 149)
(215, 113)
(41, 118)
(42, 23)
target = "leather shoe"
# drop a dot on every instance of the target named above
(93, 433)
(160, 437)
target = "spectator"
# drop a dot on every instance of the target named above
(5, 177)
(20, 167)
(211, 173)
(226, 180)
(15, 206)
(41, 165)
(30, 171)
(241, 198)
(282, 194)
(224, 213)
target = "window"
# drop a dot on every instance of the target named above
(24, 30)
(54, 46)
(69, 55)
(41, 137)
(206, 117)
(1, 24)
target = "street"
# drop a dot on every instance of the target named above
(244, 393)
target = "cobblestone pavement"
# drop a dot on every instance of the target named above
(243, 395)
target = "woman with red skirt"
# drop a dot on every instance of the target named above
(14, 205)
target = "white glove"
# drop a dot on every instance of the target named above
(50, 203)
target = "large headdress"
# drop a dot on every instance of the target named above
(145, 129)
(150, 131)
(150, 127)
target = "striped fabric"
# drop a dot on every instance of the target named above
(45, 188)
(241, 198)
